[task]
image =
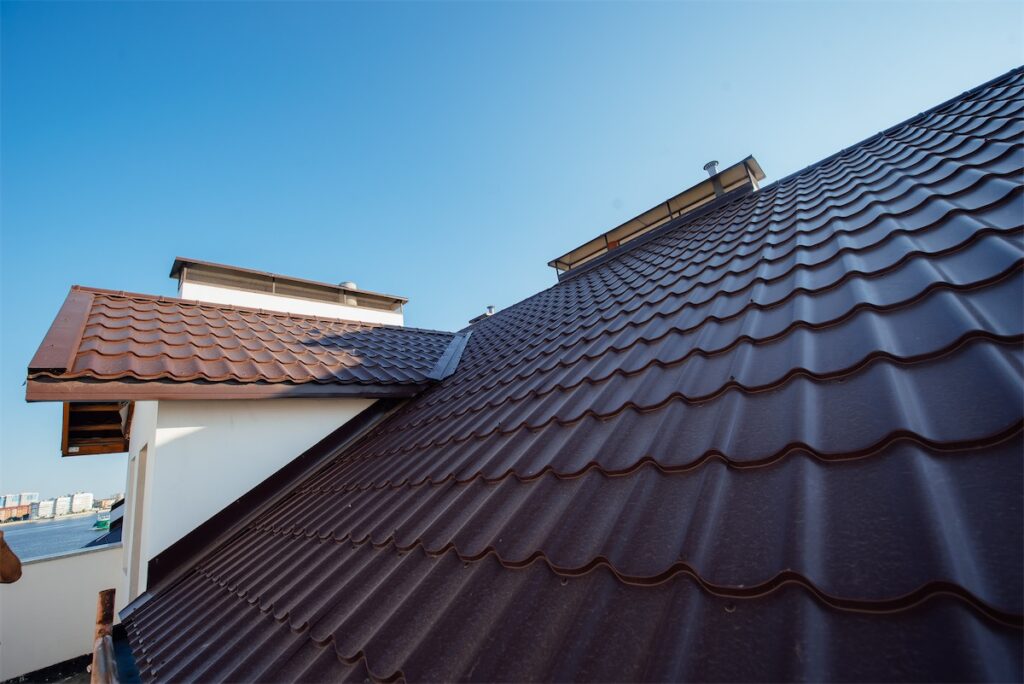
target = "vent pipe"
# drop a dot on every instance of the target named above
(712, 168)
(486, 314)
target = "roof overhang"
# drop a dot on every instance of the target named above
(54, 376)
(56, 389)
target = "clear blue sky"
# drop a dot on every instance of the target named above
(444, 152)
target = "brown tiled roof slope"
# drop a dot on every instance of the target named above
(780, 440)
(145, 345)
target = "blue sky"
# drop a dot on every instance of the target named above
(444, 152)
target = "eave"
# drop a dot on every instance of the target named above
(55, 389)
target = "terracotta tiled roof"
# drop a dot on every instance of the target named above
(133, 346)
(778, 440)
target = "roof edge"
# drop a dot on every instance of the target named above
(57, 389)
(700, 212)
(745, 173)
(733, 195)
(57, 350)
(906, 122)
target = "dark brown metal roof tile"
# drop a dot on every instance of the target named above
(777, 440)
(139, 338)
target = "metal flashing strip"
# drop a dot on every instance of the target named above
(181, 265)
(714, 205)
(449, 361)
(746, 173)
(58, 348)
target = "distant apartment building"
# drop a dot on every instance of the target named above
(62, 505)
(81, 501)
(14, 513)
(45, 509)
(28, 498)
(9, 500)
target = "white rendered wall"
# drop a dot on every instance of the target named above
(202, 455)
(274, 302)
(143, 434)
(48, 615)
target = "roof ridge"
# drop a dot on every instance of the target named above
(906, 122)
(737, 195)
(601, 307)
(248, 309)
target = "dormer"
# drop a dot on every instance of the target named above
(222, 284)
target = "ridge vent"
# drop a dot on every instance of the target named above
(745, 174)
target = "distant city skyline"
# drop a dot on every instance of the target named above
(43, 497)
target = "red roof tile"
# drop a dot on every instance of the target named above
(140, 346)
(780, 439)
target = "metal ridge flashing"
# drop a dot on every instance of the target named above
(700, 212)
(602, 258)
(449, 361)
(57, 350)
(745, 174)
(183, 262)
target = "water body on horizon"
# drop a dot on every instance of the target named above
(44, 537)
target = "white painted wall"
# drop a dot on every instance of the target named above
(274, 302)
(143, 433)
(202, 455)
(48, 615)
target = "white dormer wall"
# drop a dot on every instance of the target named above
(216, 294)
(190, 459)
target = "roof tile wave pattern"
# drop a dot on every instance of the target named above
(141, 337)
(778, 440)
